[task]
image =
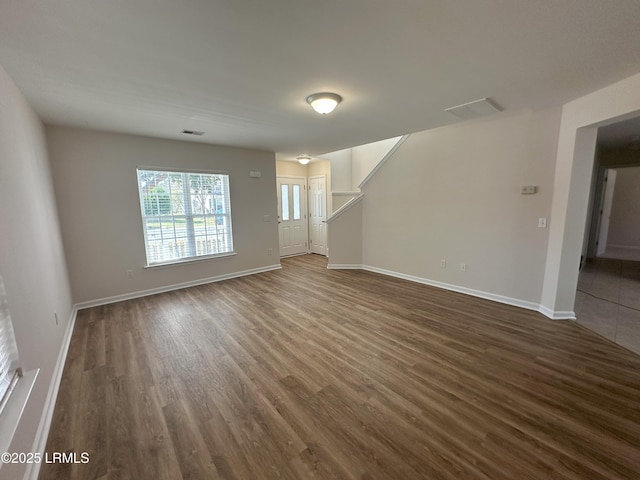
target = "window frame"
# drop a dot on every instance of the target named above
(188, 216)
(10, 371)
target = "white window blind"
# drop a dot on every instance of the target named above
(185, 215)
(8, 350)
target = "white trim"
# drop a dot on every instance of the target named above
(295, 254)
(14, 407)
(383, 161)
(345, 194)
(175, 286)
(42, 434)
(559, 315)
(455, 288)
(181, 170)
(467, 291)
(198, 258)
(345, 207)
(344, 266)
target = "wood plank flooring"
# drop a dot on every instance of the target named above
(309, 373)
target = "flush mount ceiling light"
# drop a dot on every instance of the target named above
(324, 102)
(303, 159)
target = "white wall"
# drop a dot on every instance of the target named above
(365, 158)
(624, 224)
(453, 193)
(96, 191)
(341, 198)
(340, 170)
(31, 255)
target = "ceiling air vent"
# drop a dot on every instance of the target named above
(192, 132)
(475, 109)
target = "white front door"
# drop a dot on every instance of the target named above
(292, 216)
(318, 214)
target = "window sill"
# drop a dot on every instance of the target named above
(15, 406)
(190, 260)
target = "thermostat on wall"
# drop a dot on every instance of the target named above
(255, 174)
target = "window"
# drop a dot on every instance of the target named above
(185, 215)
(8, 351)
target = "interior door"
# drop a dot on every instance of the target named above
(292, 217)
(318, 214)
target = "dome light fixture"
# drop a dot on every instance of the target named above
(303, 159)
(325, 102)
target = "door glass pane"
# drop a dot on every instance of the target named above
(284, 195)
(296, 202)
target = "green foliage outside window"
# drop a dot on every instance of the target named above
(157, 202)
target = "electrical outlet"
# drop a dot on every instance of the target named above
(542, 222)
(55, 316)
(443, 263)
(269, 251)
(463, 267)
(129, 273)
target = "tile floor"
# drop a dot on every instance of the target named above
(608, 300)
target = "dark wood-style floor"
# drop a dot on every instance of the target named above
(324, 374)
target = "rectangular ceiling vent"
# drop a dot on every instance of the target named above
(475, 109)
(193, 132)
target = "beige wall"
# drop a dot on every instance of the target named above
(32, 261)
(453, 193)
(365, 158)
(338, 200)
(624, 224)
(340, 170)
(96, 190)
(344, 237)
(290, 169)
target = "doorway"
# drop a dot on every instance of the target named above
(607, 300)
(292, 216)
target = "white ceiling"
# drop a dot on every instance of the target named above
(240, 69)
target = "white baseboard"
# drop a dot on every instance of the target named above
(176, 286)
(456, 288)
(42, 434)
(559, 315)
(344, 266)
